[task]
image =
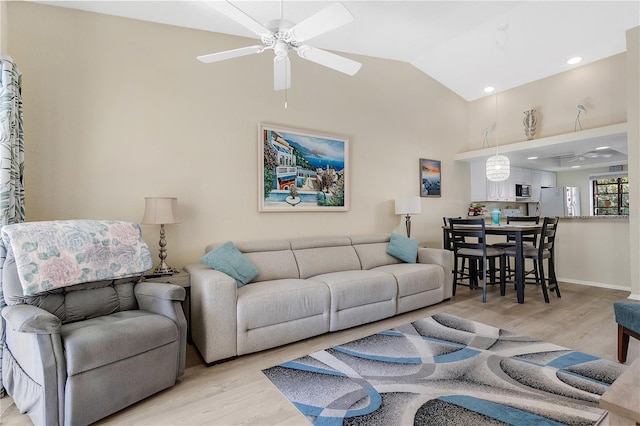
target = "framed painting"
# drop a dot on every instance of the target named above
(302, 171)
(430, 178)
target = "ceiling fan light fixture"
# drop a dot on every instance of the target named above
(281, 49)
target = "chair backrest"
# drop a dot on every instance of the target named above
(548, 235)
(468, 234)
(534, 220)
(448, 243)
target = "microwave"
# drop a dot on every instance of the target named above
(523, 190)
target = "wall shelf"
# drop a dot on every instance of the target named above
(614, 136)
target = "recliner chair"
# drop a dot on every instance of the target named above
(83, 337)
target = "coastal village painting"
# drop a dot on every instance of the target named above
(302, 171)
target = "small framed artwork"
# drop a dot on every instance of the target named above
(302, 171)
(430, 178)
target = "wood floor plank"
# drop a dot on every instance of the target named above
(237, 393)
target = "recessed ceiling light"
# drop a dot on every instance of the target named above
(575, 167)
(574, 60)
(602, 147)
(489, 89)
(532, 158)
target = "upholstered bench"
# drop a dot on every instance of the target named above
(628, 319)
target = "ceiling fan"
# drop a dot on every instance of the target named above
(283, 36)
(602, 153)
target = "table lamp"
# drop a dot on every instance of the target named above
(408, 206)
(161, 211)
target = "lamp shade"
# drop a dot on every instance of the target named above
(408, 205)
(498, 168)
(161, 211)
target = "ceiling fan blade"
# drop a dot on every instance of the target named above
(328, 59)
(240, 17)
(281, 73)
(326, 20)
(221, 56)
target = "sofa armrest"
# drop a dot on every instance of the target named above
(162, 291)
(443, 258)
(164, 299)
(31, 319)
(34, 360)
(213, 312)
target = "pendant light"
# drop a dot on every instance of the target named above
(497, 166)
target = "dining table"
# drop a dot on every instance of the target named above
(517, 231)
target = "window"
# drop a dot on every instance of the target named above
(610, 195)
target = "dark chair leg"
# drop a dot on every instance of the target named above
(543, 280)
(503, 277)
(484, 282)
(455, 274)
(553, 282)
(623, 344)
(473, 272)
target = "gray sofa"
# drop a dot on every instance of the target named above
(307, 287)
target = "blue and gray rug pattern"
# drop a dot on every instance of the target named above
(446, 370)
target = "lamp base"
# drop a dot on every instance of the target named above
(408, 225)
(163, 269)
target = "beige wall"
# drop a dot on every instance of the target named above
(3, 28)
(601, 86)
(117, 109)
(633, 112)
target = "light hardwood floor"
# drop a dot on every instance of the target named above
(236, 392)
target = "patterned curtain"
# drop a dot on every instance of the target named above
(11, 144)
(11, 162)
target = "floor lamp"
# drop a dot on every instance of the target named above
(408, 206)
(161, 211)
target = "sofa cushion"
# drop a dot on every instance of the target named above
(89, 344)
(403, 248)
(324, 255)
(413, 278)
(278, 301)
(274, 265)
(375, 254)
(360, 297)
(228, 259)
(73, 303)
(356, 288)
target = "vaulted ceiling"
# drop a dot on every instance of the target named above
(465, 45)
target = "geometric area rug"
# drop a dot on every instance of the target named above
(446, 370)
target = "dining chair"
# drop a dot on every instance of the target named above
(464, 271)
(544, 250)
(527, 241)
(469, 242)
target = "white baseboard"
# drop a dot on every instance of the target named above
(602, 285)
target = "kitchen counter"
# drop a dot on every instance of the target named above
(596, 217)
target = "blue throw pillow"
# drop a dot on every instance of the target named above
(403, 248)
(228, 259)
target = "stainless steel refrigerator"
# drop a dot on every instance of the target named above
(562, 201)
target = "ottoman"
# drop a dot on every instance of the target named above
(628, 319)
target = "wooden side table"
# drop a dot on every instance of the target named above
(183, 279)
(622, 399)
